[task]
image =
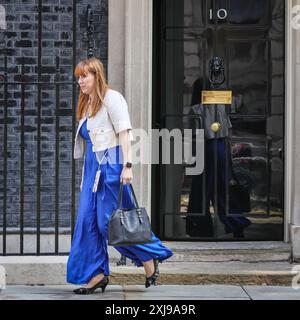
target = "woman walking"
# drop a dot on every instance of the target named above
(103, 137)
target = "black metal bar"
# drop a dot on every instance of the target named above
(5, 157)
(73, 120)
(22, 159)
(42, 253)
(269, 170)
(90, 31)
(38, 167)
(57, 102)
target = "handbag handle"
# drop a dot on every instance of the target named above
(121, 196)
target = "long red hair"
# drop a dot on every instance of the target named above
(96, 67)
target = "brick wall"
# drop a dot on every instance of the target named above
(20, 41)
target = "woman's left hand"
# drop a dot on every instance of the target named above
(126, 175)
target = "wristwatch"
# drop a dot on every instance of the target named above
(128, 165)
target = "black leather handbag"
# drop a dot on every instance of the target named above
(129, 226)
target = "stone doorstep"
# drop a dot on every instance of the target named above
(52, 270)
(229, 255)
(227, 245)
(196, 251)
(247, 251)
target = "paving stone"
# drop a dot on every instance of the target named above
(160, 292)
(272, 293)
(59, 292)
(184, 291)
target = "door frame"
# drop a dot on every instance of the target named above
(289, 123)
(288, 131)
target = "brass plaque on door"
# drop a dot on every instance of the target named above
(216, 97)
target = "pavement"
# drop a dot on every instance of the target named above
(196, 271)
(159, 292)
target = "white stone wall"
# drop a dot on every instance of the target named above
(129, 71)
(293, 131)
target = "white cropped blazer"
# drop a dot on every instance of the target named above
(105, 125)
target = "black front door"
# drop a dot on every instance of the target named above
(239, 194)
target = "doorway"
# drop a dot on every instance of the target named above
(239, 195)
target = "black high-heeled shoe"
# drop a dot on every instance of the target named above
(122, 261)
(152, 279)
(101, 284)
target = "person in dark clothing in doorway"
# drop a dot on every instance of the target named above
(233, 222)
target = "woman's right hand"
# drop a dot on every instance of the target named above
(126, 175)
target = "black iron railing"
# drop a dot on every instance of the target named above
(41, 83)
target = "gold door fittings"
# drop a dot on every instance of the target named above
(216, 127)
